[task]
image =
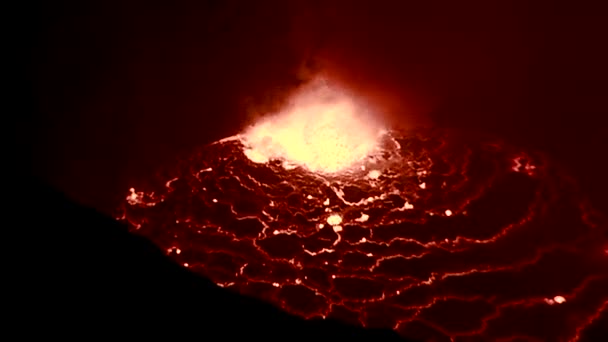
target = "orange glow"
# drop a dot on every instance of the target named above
(322, 129)
(334, 219)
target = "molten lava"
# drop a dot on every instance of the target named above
(434, 236)
(322, 129)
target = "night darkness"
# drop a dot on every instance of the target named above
(113, 92)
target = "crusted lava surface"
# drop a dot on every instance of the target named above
(439, 236)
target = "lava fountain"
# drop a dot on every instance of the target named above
(322, 128)
(324, 212)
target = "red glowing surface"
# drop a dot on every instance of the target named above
(434, 236)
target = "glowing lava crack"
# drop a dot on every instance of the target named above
(428, 234)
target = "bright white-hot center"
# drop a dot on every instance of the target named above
(322, 128)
